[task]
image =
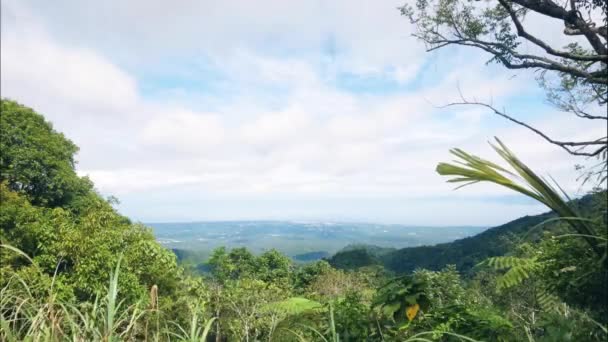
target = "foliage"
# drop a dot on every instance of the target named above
(400, 293)
(353, 258)
(36, 161)
(24, 315)
(468, 252)
(593, 232)
(352, 318)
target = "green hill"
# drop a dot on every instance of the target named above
(358, 255)
(464, 253)
(467, 252)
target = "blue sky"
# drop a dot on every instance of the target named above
(315, 110)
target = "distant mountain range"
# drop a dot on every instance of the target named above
(303, 241)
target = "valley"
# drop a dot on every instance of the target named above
(302, 241)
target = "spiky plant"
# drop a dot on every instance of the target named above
(470, 169)
(25, 316)
(196, 333)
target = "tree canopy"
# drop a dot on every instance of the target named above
(37, 161)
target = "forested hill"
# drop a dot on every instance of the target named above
(467, 252)
(464, 253)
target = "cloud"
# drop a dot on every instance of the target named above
(184, 130)
(201, 112)
(34, 64)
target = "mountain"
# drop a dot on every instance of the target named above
(464, 253)
(359, 255)
(310, 256)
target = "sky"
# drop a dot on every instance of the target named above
(282, 110)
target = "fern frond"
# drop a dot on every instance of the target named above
(515, 276)
(518, 270)
(507, 262)
(547, 299)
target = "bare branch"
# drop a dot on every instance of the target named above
(572, 147)
(570, 18)
(522, 33)
(539, 62)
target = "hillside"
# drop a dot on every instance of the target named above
(464, 253)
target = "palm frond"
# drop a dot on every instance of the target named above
(470, 169)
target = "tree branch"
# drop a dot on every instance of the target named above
(572, 147)
(522, 33)
(570, 18)
(539, 62)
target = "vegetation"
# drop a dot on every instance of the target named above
(73, 268)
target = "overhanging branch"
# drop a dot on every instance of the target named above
(573, 147)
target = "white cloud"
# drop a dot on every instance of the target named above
(274, 128)
(34, 64)
(281, 123)
(184, 130)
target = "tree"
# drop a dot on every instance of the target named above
(70, 232)
(37, 161)
(575, 76)
(274, 267)
(247, 315)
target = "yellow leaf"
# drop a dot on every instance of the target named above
(411, 311)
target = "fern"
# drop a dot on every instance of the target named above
(547, 299)
(518, 270)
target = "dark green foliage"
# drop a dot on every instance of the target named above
(306, 275)
(311, 256)
(240, 263)
(575, 274)
(468, 252)
(71, 233)
(477, 323)
(353, 259)
(352, 318)
(399, 294)
(498, 241)
(37, 161)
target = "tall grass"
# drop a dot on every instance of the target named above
(27, 317)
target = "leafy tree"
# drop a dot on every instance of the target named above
(334, 284)
(71, 234)
(274, 267)
(306, 275)
(247, 315)
(220, 264)
(36, 160)
(353, 259)
(444, 287)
